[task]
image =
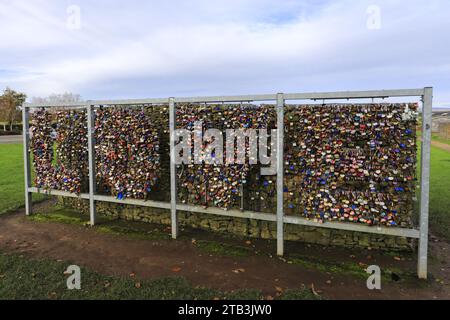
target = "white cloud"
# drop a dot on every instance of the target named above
(146, 49)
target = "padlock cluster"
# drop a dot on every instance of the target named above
(343, 162)
(219, 185)
(127, 149)
(352, 163)
(66, 133)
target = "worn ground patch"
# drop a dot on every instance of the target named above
(120, 248)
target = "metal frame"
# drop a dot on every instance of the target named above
(421, 234)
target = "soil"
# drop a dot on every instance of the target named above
(441, 145)
(120, 255)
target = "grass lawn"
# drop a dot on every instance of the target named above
(12, 186)
(439, 139)
(440, 192)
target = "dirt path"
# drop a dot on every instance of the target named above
(10, 139)
(441, 145)
(119, 255)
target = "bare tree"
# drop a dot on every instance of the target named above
(9, 101)
(57, 98)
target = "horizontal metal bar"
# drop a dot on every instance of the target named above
(399, 232)
(129, 102)
(243, 98)
(58, 193)
(356, 94)
(228, 213)
(134, 202)
(56, 105)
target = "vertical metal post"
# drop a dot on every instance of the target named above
(26, 159)
(280, 174)
(173, 175)
(91, 155)
(425, 182)
(242, 196)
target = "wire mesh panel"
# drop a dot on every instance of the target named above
(131, 151)
(224, 183)
(59, 148)
(351, 163)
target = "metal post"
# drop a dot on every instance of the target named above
(425, 182)
(91, 155)
(173, 176)
(280, 174)
(26, 159)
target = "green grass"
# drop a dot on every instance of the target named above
(24, 278)
(223, 249)
(440, 192)
(434, 137)
(441, 140)
(130, 229)
(12, 186)
(60, 216)
(346, 268)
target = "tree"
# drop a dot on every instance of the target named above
(9, 102)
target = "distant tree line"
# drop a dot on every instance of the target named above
(11, 100)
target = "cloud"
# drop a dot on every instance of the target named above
(151, 49)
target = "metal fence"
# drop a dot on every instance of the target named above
(426, 94)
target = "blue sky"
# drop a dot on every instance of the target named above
(136, 49)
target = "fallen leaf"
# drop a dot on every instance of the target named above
(314, 290)
(270, 298)
(248, 242)
(137, 285)
(240, 270)
(279, 289)
(132, 275)
(329, 282)
(397, 259)
(176, 269)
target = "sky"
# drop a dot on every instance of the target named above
(111, 49)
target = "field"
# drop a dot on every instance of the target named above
(12, 185)
(40, 276)
(440, 193)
